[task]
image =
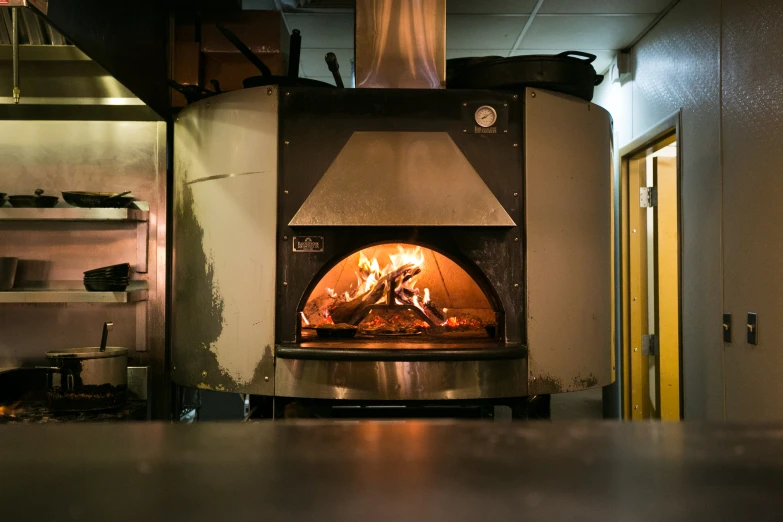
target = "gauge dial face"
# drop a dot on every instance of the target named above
(486, 116)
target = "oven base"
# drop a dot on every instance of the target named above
(400, 380)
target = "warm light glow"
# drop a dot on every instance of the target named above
(409, 262)
(10, 411)
(399, 289)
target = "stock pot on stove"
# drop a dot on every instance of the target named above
(88, 379)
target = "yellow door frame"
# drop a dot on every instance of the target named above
(634, 365)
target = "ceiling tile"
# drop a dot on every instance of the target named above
(582, 33)
(604, 6)
(602, 61)
(323, 31)
(490, 7)
(482, 32)
(313, 64)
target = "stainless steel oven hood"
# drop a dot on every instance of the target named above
(130, 43)
(401, 179)
(41, 6)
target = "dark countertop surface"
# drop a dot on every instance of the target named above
(401, 471)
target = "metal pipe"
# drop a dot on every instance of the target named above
(15, 45)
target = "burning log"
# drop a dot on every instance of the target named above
(430, 308)
(351, 312)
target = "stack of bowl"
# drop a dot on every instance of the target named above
(108, 278)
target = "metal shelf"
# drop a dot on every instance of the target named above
(72, 292)
(74, 214)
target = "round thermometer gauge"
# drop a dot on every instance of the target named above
(486, 116)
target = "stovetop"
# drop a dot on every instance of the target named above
(36, 412)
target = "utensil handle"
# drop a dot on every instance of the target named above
(334, 67)
(117, 195)
(105, 337)
(294, 52)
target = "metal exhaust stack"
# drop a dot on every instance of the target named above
(401, 44)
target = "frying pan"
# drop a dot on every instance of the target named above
(570, 72)
(36, 201)
(98, 199)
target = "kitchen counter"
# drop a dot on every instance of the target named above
(424, 471)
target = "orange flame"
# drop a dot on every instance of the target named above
(370, 274)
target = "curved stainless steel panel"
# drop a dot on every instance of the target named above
(225, 216)
(568, 244)
(421, 380)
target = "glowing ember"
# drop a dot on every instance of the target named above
(10, 411)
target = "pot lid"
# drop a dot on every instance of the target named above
(93, 352)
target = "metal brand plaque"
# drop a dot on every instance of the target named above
(308, 244)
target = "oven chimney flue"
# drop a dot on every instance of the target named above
(401, 44)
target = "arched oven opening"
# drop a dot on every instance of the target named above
(391, 293)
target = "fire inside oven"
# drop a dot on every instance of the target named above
(398, 290)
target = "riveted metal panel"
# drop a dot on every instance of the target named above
(225, 214)
(752, 191)
(568, 194)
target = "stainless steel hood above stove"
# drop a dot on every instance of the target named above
(39, 5)
(401, 179)
(129, 42)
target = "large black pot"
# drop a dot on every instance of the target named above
(570, 72)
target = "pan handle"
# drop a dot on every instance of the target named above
(50, 370)
(587, 57)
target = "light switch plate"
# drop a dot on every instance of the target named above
(726, 328)
(753, 328)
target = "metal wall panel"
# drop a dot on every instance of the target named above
(677, 66)
(225, 216)
(84, 155)
(752, 213)
(568, 212)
